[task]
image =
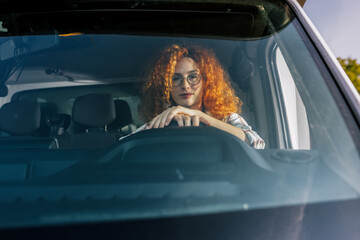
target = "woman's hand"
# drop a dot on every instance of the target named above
(190, 117)
(183, 116)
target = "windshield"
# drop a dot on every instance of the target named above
(76, 110)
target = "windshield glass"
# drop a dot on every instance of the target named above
(80, 128)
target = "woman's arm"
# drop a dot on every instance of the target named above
(189, 117)
(235, 124)
(252, 137)
(238, 132)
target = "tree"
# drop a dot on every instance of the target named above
(352, 69)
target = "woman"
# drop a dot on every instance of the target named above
(189, 85)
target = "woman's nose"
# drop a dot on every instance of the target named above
(185, 84)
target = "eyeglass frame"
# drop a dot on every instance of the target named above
(187, 79)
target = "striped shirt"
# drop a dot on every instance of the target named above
(253, 138)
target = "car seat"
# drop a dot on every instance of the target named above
(242, 72)
(123, 122)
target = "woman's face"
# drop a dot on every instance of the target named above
(187, 94)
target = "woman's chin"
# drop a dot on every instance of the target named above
(191, 105)
(187, 104)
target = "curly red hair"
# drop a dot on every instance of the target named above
(219, 99)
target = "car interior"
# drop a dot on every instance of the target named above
(69, 114)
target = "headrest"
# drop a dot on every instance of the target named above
(20, 117)
(94, 110)
(123, 115)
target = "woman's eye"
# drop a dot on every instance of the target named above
(175, 79)
(194, 77)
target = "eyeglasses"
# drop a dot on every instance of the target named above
(192, 79)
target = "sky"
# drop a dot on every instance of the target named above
(338, 22)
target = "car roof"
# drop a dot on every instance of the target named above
(55, 5)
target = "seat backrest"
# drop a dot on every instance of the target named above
(123, 117)
(241, 69)
(242, 72)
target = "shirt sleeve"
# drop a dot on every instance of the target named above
(137, 130)
(254, 139)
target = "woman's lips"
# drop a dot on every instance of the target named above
(186, 95)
